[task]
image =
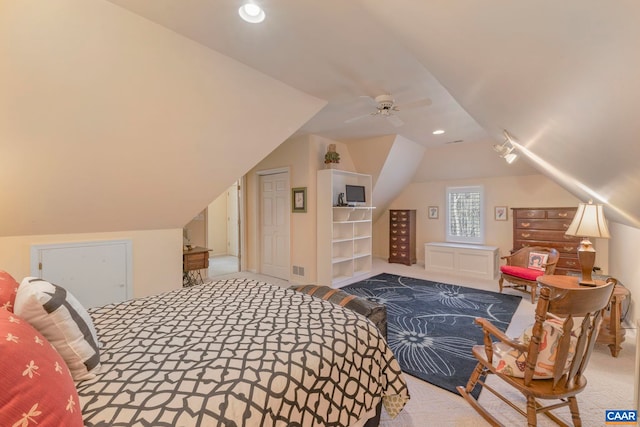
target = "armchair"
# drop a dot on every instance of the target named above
(524, 266)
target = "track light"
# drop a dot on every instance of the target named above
(511, 157)
(505, 150)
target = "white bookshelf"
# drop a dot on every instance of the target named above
(344, 233)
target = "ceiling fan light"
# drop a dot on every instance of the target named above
(511, 157)
(251, 13)
(438, 132)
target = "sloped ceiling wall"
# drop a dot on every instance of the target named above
(392, 160)
(561, 77)
(109, 122)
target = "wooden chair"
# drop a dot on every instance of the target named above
(568, 343)
(520, 276)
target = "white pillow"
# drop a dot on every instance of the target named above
(63, 321)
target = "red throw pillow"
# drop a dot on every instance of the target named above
(37, 388)
(521, 272)
(8, 289)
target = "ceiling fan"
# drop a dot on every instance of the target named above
(386, 107)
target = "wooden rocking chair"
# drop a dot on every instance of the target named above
(554, 338)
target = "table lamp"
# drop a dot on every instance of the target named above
(589, 221)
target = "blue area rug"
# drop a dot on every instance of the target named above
(431, 325)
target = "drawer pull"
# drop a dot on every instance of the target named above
(525, 235)
(571, 263)
(569, 248)
(562, 214)
(525, 224)
(530, 214)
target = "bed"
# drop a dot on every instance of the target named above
(238, 353)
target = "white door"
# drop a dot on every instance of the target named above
(274, 209)
(96, 273)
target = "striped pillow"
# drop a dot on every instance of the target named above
(373, 311)
(59, 316)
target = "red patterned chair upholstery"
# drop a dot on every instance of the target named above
(524, 266)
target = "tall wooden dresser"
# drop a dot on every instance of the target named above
(546, 227)
(402, 236)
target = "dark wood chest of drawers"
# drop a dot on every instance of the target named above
(546, 227)
(402, 236)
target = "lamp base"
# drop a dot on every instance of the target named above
(587, 258)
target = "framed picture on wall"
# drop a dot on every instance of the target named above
(501, 213)
(433, 212)
(299, 199)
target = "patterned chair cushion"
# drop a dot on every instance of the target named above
(521, 272)
(375, 312)
(510, 361)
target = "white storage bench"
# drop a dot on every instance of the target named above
(460, 258)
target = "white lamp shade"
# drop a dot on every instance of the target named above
(589, 222)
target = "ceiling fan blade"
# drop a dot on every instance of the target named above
(415, 104)
(353, 119)
(395, 120)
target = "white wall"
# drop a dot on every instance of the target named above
(624, 263)
(157, 256)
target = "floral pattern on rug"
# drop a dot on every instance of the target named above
(431, 325)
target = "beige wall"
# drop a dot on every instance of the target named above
(302, 157)
(513, 191)
(624, 265)
(196, 230)
(99, 104)
(157, 256)
(217, 226)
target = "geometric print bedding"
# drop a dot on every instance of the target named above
(238, 353)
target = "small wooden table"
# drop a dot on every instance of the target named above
(194, 261)
(610, 331)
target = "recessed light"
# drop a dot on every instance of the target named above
(438, 132)
(251, 13)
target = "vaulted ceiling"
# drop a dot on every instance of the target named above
(561, 77)
(111, 108)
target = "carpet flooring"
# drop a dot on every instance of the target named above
(431, 325)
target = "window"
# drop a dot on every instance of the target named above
(465, 219)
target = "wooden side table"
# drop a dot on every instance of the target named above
(194, 261)
(610, 331)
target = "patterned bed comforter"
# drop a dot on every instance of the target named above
(238, 353)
